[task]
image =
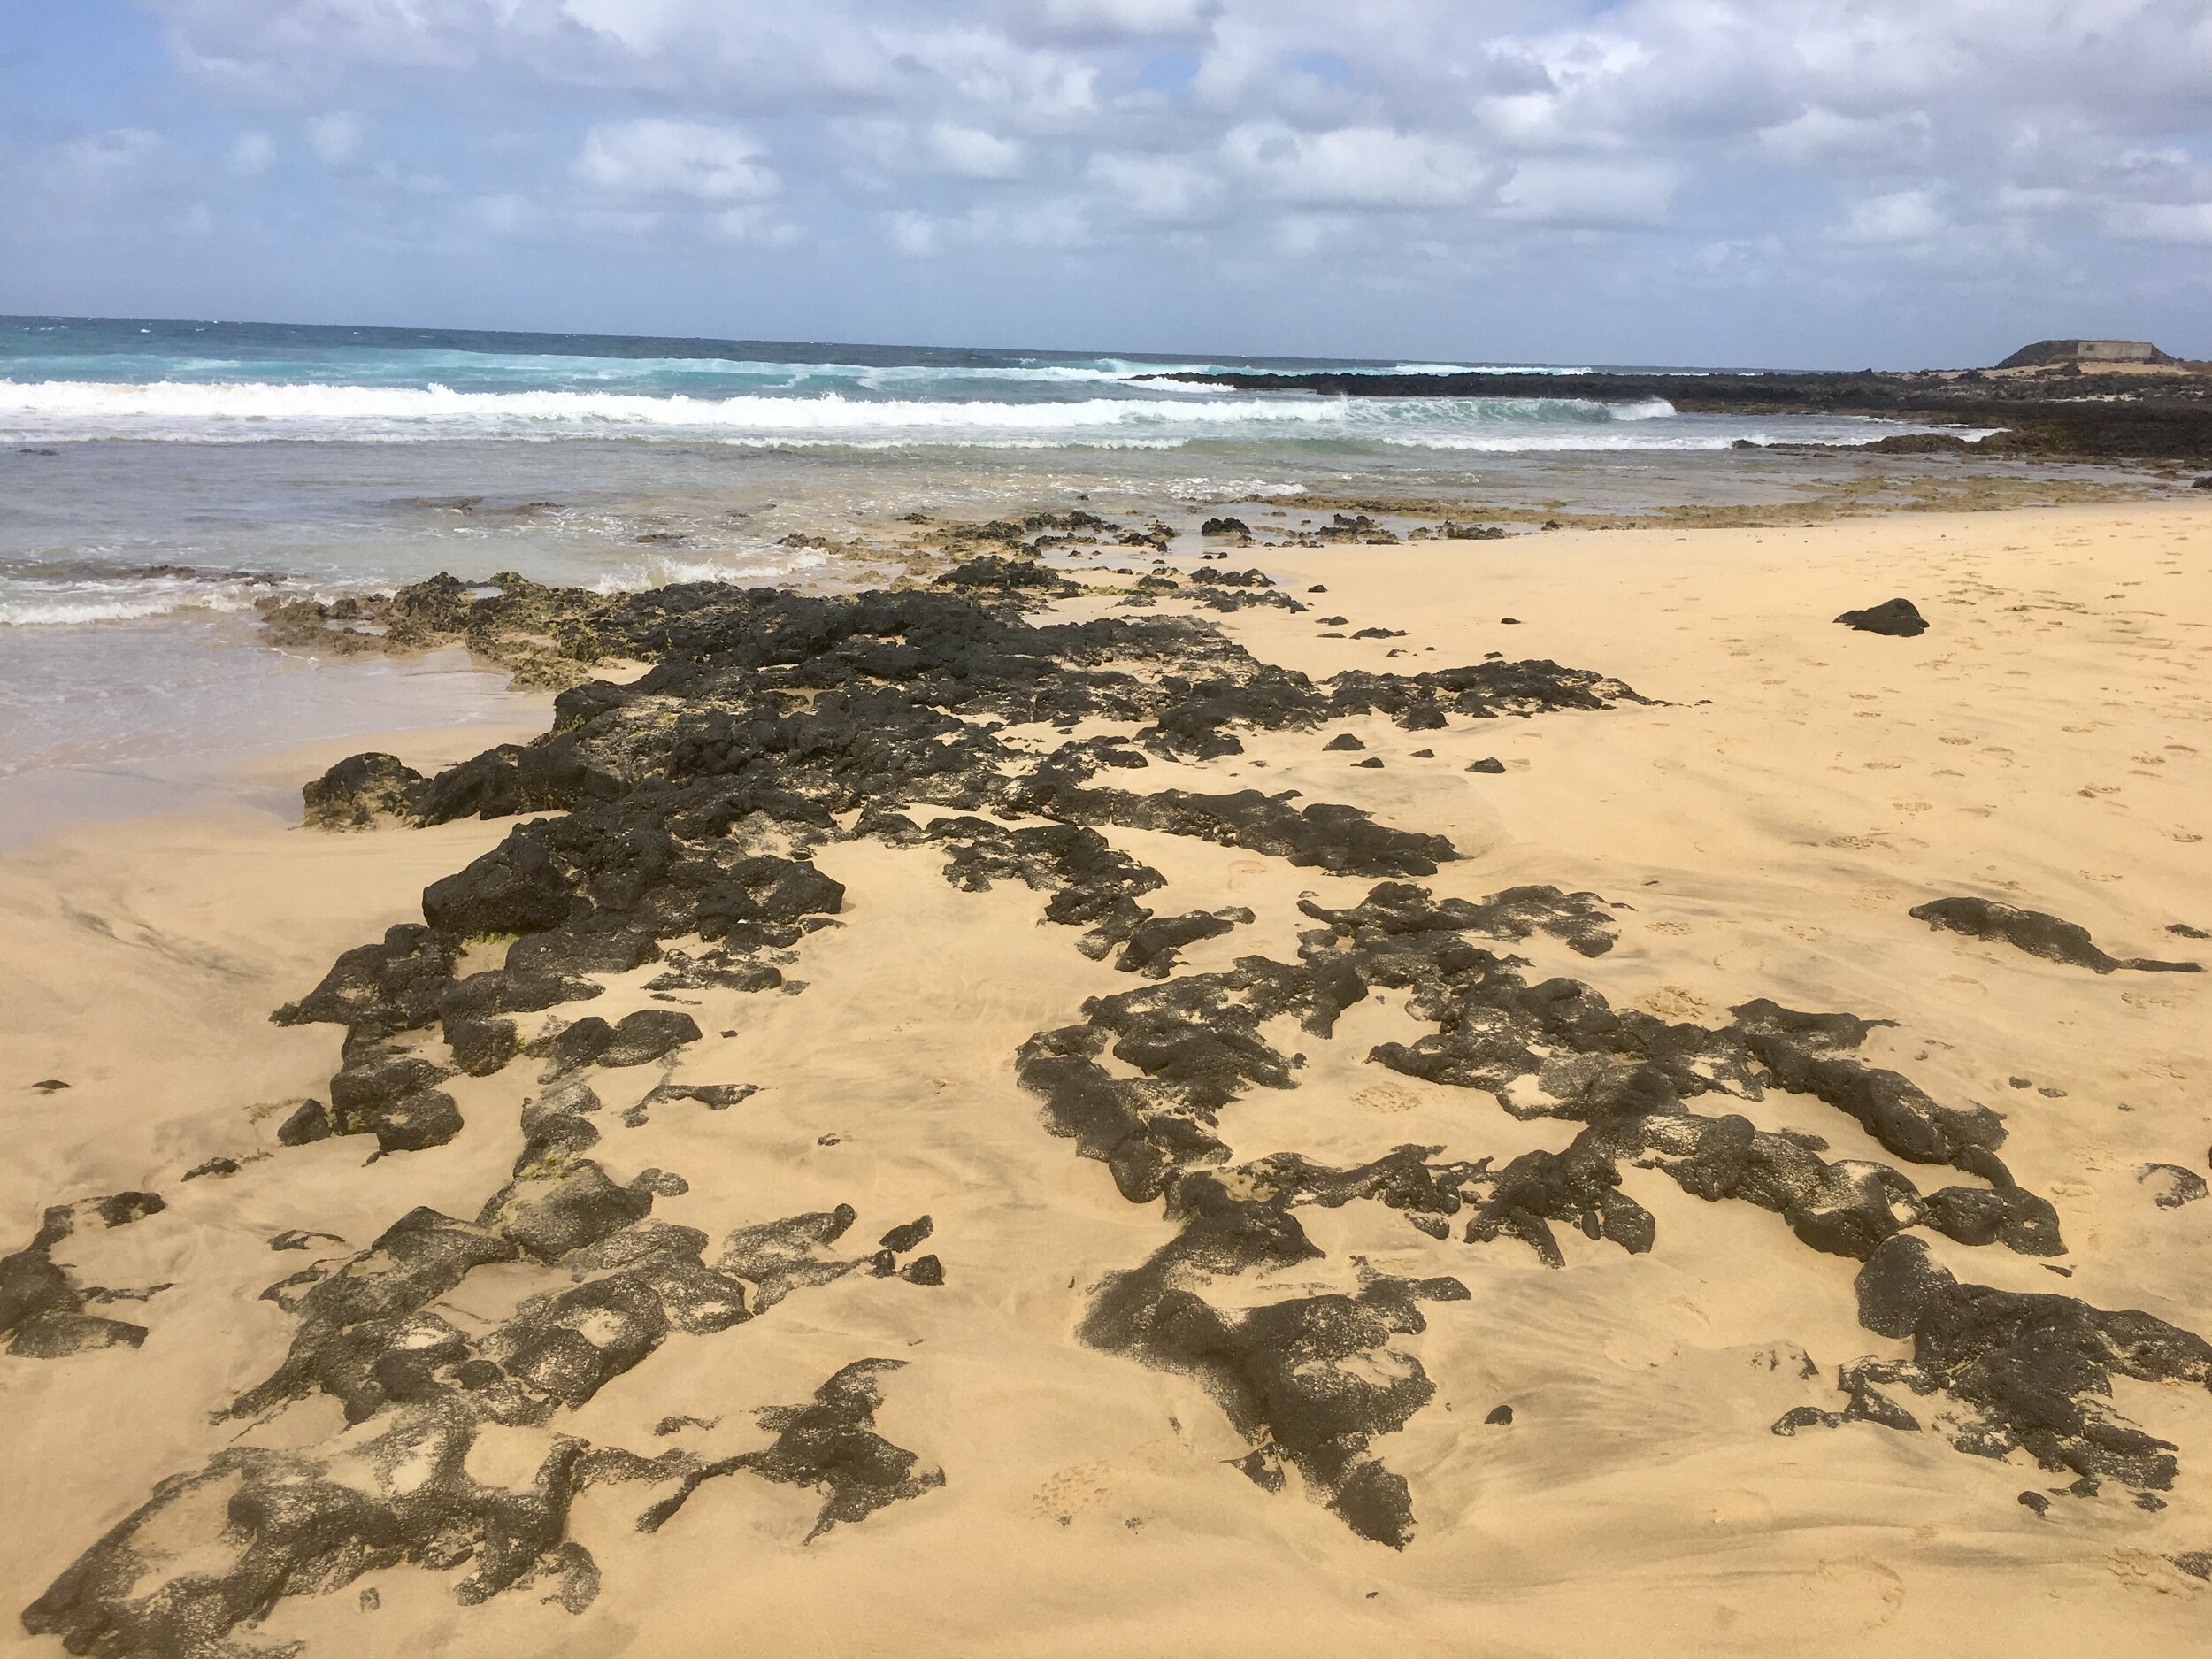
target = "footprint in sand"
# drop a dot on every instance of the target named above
(1386, 1097)
(1871, 1593)
(1675, 1001)
(1067, 1494)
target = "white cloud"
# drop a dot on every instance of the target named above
(508, 213)
(917, 235)
(1816, 134)
(252, 153)
(2013, 145)
(1901, 216)
(1355, 166)
(1059, 224)
(1131, 17)
(2188, 223)
(972, 153)
(335, 138)
(754, 225)
(101, 160)
(1162, 188)
(1589, 192)
(656, 158)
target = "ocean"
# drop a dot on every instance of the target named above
(159, 478)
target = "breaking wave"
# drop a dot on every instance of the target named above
(260, 411)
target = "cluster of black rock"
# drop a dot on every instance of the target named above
(688, 811)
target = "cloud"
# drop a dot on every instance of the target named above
(1901, 216)
(1059, 226)
(972, 153)
(1586, 194)
(657, 157)
(1129, 17)
(1312, 147)
(99, 160)
(508, 213)
(252, 153)
(335, 138)
(1163, 189)
(1355, 166)
(754, 226)
(917, 235)
(946, 149)
(2186, 223)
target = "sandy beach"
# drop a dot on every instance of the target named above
(1046, 1459)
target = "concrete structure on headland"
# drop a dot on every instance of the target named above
(2046, 353)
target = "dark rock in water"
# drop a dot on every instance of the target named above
(923, 1270)
(2180, 930)
(1372, 762)
(214, 1166)
(361, 788)
(1515, 622)
(42, 1307)
(2036, 1501)
(47, 1085)
(2174, 1186)
(1489, 764)
(2035, 932)
(1500, 1414)
(1343, 741)
(1898, 618)
(1424, 754)
(1317, 588)
(1225, 527)
(308, 1122)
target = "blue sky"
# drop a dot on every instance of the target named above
(1796, 182)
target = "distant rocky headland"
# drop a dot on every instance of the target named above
(2058, 399)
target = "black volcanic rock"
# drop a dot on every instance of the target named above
(2036, 933)
(1898, 618)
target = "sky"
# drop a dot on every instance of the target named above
(1773, 183)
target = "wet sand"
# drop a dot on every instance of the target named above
(1760, 829)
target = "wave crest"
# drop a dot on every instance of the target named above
(263, 410)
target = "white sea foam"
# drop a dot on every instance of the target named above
(253, 411)
(661, 571)
(47, 607)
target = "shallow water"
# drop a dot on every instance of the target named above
(158, 479)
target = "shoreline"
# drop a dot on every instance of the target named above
(2108, 414)
(1763, 825)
